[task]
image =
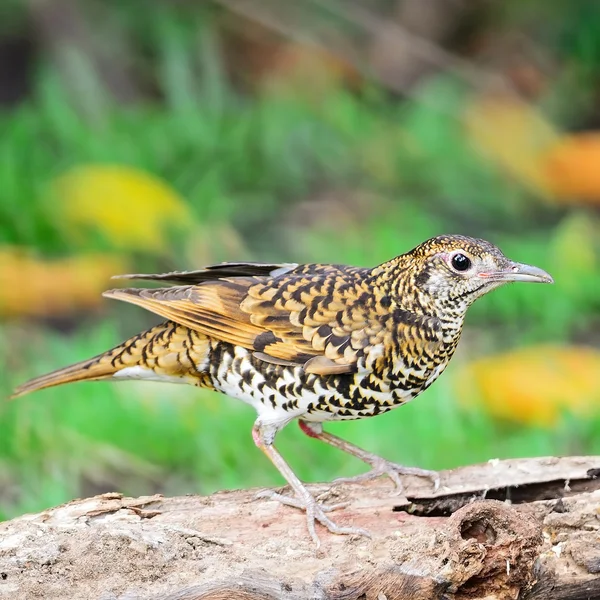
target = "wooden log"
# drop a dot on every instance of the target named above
(527, 529)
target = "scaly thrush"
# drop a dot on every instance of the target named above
(310, 342)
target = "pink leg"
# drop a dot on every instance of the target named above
(303, 499)
(379, 465)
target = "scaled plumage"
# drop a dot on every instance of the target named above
(313, 342)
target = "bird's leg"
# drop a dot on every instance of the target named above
(304, 500)
(380, 466)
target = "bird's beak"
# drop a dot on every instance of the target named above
(519, 272)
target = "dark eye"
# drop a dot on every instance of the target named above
(460, 262)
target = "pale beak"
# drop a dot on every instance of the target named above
(519, 272)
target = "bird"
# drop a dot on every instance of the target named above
(308, 342)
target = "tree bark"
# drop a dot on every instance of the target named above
(527, 529)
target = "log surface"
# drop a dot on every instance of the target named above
(525, 528)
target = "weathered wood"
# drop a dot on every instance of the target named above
(501, 530)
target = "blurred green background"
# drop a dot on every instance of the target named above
(148, 135)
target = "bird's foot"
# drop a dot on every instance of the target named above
(296, 503)
(315, 511)
(393, 471)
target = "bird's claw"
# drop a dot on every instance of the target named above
(393, 471)
(315, 512)
(295, 502)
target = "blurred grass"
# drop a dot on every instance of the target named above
(250, 163)
(71, 441)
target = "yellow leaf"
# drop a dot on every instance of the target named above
(534, 385)
(31, 287)
(514, 135)
(572, 167)
(131, 208)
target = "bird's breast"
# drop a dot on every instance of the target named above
(280, 391)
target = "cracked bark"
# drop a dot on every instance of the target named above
(527, 529)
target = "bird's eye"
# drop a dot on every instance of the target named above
(460, 262)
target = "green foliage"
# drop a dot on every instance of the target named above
(248, 161)
(148, 437)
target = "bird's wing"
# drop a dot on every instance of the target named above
(318, 318)
(215, 272)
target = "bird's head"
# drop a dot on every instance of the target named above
(452, 271)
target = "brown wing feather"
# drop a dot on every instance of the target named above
(212, 309)
(318, 319)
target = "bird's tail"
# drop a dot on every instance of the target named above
(167, 352)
